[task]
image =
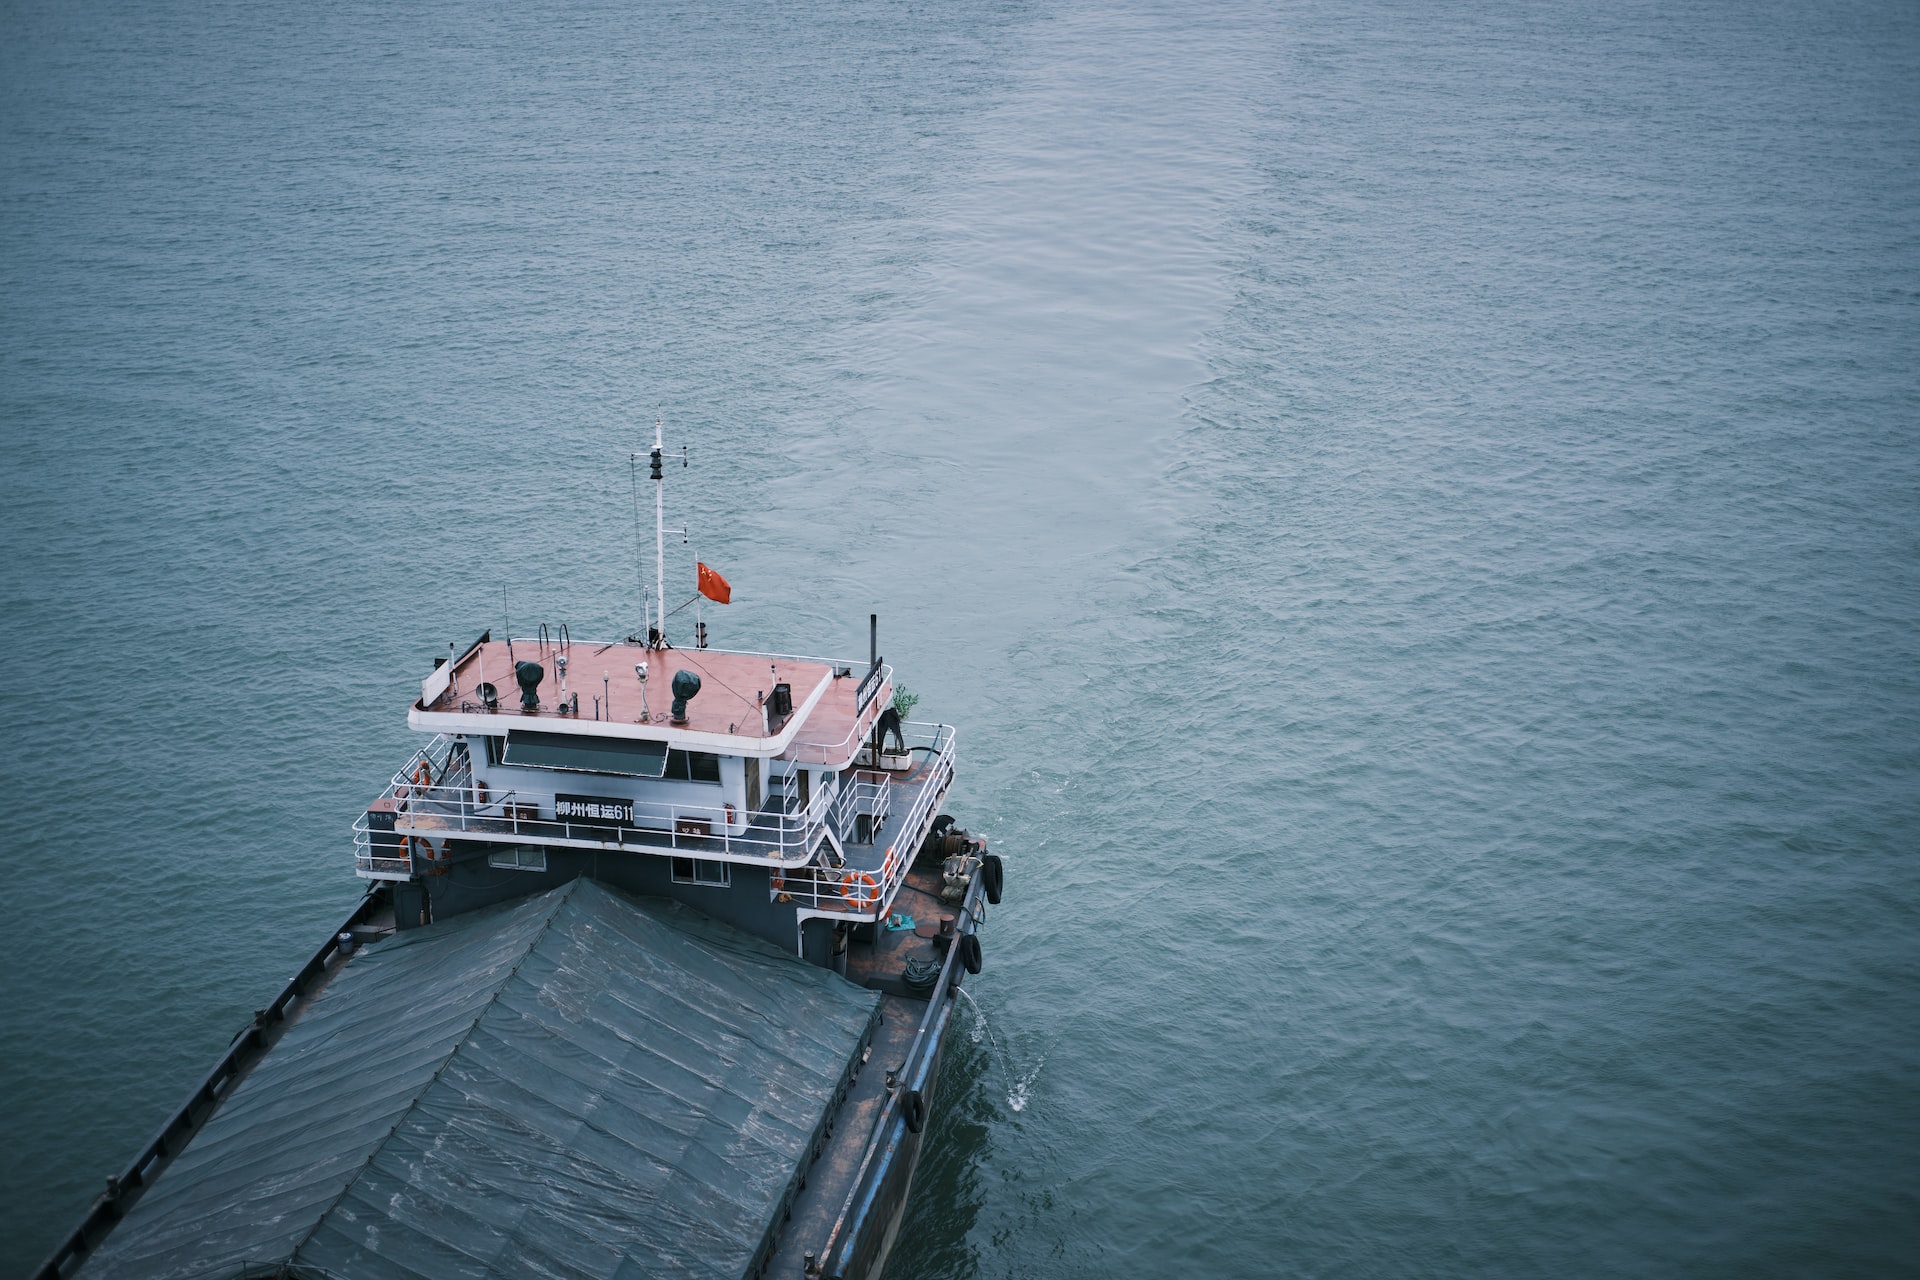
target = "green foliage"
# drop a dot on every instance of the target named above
(904, 700)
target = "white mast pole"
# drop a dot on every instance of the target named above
(659, 531)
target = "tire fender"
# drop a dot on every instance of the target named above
(992, 877)
(970, 951)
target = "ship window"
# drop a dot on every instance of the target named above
(693, 766)
(524, 857)
(701, 871)
(586, 755)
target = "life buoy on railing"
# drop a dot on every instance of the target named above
(423, 776)
(860, 889)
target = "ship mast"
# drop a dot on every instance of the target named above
(659, 537)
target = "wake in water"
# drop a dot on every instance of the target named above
(1020, 1085)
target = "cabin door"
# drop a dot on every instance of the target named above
(753, 784)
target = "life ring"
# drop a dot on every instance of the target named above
(850, 889)
(423, 777)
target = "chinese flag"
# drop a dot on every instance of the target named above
(714, 587)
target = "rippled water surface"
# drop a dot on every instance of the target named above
(1414, 508)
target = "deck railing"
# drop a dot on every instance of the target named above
(427, 811)
(818, 751)
(862, 894)
(433, 798)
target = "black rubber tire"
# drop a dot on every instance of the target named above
(913, 1109)
(992, 877)
(970, 951)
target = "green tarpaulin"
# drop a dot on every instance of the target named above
(577, 1084)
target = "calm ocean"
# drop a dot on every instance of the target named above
(1414, 509)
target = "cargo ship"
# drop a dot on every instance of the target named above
(659, 952)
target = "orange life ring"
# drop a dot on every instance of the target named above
(850, 889)
(423, 776)
(435, 864)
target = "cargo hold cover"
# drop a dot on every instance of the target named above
(578, 1084)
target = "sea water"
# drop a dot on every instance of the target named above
(1413, 508)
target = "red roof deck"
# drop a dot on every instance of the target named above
(728, 705)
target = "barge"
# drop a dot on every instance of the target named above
(659, 953)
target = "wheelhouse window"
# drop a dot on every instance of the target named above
(581, 754)
(523, 857)
(701, 871)
(693, 766)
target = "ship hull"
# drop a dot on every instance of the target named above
(870, 1223)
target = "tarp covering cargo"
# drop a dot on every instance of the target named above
(578, 1084)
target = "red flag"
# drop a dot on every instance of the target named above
(714, 587)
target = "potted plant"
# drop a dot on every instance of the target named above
(904, 700)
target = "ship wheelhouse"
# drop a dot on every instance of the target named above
(769, 790)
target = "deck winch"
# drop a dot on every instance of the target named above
(963, 856)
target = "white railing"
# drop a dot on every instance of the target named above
(434, 813)
(863, 893)
(868, 796)
(379, 862)
(426, 812)
(817, 751)
(383, 855)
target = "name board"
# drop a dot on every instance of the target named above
(868, 688)
(593, 811)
